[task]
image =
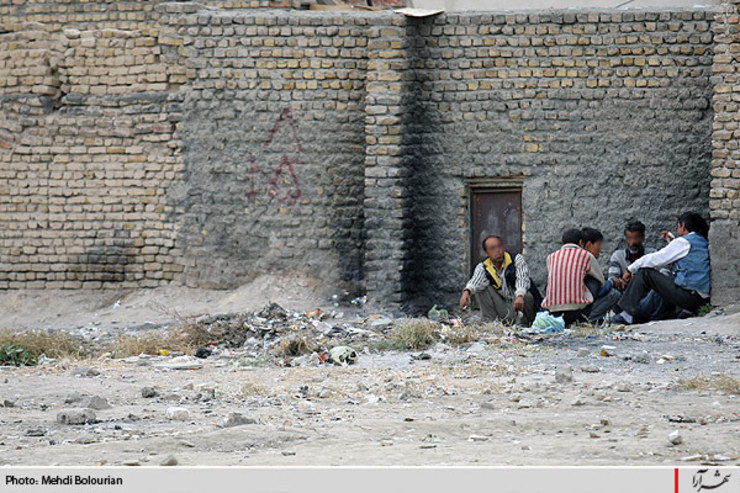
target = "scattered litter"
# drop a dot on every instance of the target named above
(438, 314)
(342, 355)
(546, 323)
(607, 350)
(203, 353)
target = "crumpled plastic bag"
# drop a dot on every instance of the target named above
(438, 314)
(546, 323)
(343, 355)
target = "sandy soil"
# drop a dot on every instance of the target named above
(546, 401)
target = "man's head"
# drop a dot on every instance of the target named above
(691, 222)
(634, 235)
(592, 240)
(494, 247)
(573, 235)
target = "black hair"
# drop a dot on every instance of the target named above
(488, 238)
(635, 227)
(572, 235)
(591, 235)
(694, 223)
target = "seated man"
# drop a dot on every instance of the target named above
(502, 286)
(689, 284)
(652, 306)
(567, 268)
(605, 295)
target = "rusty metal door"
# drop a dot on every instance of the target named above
(495, 211)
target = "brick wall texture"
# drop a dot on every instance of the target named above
(143, 143)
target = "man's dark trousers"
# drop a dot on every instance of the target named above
(647, 279)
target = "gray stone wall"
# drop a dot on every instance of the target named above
(211, 146)
(605, 116)
(273, 147)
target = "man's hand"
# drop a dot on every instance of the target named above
(667, 236)
(465, 299)
(626, 277)
(618, 283)
(519, 304)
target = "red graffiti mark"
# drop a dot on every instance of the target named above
(292, 195)
(283, 116)
(284, 176)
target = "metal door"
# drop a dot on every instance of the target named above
(495, 211)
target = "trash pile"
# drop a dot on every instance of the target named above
(289, 339)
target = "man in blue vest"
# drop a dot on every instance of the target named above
(502, 286)
(689, 285)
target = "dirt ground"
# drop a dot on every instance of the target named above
(508, 400)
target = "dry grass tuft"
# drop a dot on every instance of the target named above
(416, 334)
(723, 382)
(295, 346)
(50, 344)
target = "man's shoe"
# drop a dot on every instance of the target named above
(619, 320)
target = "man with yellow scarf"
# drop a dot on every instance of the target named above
(502, 286)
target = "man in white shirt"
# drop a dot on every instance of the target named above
(689, 285)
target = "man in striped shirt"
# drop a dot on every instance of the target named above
(502, 286)
(567, 268)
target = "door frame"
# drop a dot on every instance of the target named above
(503, 184)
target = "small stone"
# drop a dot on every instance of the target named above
(287, 453)
(642, 357)
(96, 402)
(590, 369)
(8, 403)
(477, 348)
(36, 432)
(73, 397)
(478, 438)
(428, 446)
(488, 405)
(563, 376)
(237, 419)
(84, 371)
(624, 387)
(579, 401)
(76, 417)
(148, 392)
(403, 396)
(177, 414)
(594, 435)
(523, 405)
(131, 462)
(186, 443)
(308, 407)
(386, 443)
(605, 422)
(675, 437)
(379, 323)
(583, 352)
(170, 460)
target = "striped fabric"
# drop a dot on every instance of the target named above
(479, 281)
(566, 271)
